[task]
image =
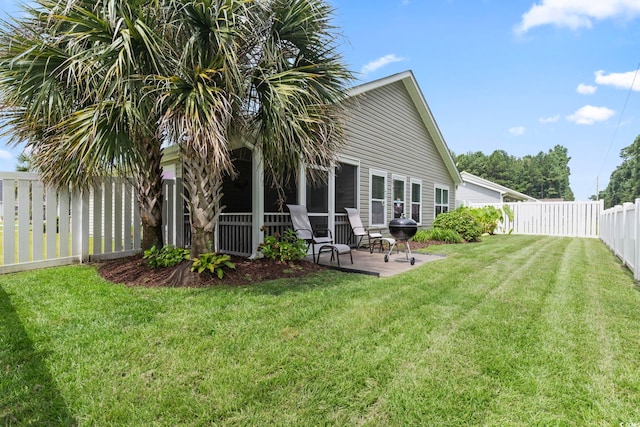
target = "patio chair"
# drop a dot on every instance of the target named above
(374, 238)
(304, 231)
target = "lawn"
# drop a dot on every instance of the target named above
(515, 330)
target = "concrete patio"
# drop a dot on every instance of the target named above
(373, 263)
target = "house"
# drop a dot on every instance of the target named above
(395, 161)
(479, 190)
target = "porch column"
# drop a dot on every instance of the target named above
(302, 184)
(257, 202)
(331, 203)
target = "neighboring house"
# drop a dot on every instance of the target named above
(479, 190)
(395, 161)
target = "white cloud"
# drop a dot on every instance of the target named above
(619, 80)
(575, 14)
(5, 155)
(517, 131)
(586, 89)
(381, 62)
(589, 114)
(545, 120)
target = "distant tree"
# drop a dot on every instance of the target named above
(545, 175)
(624, 183)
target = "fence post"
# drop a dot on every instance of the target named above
(636, 242)
(9, 224)
(80, 225)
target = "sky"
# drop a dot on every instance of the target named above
(513, 75)
(516, 75)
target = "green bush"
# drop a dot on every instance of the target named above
(212, 263)
(422, 236)
(438, 235)
(462, 221)
(167, 256)
(286, 248)
(487, 217)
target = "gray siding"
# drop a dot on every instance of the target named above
(473, 193)
(385, 132)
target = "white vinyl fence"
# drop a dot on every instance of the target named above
(569, 219)
(42, 227)
(620, 231)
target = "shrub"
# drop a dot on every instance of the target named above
(439, 235)
(212, 263)
(487, 217)
(286, 248)
(422, 236)
(167, 256)
(461, 221)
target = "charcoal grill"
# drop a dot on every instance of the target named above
(402, 229)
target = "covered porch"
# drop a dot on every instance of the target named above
(252, 209)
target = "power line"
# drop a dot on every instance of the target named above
(624, 107)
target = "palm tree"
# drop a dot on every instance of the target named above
(265, 73)
(25, 163)
(72, 82)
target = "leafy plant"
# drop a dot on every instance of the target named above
(212, 263)
(286, 248)
(462, 221)
(509, 214)
(488, 218)
(439, 235)
(167, 256)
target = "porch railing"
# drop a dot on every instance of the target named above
(235, 237)
(234, 233)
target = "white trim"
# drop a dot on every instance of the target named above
(383, 174)
(331, 196)
(403, 179)
(418, 182)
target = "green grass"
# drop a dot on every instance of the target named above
(516, 330)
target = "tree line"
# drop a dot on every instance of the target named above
(543, 176)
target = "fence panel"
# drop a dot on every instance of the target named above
(569, 219)
(42, 227)
(620, 231)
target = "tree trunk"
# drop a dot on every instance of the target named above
(149, 184)
(205, 192)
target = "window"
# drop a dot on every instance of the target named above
(442, 200)
(416, 200)
(318, 195)
(346, 187)
(398, 196)
(377, 191)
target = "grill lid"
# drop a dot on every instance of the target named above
(403, 228)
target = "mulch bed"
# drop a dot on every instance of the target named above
(133, 271)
